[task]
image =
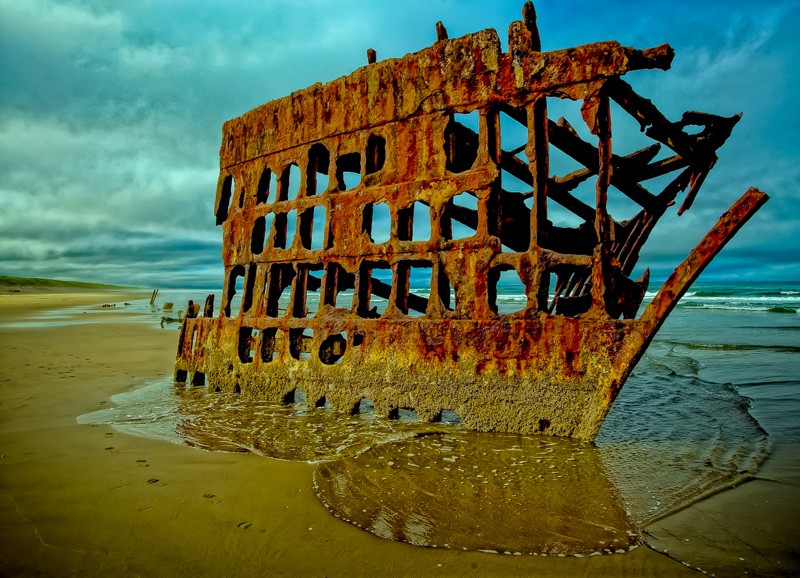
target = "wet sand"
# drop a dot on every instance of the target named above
(79, 499)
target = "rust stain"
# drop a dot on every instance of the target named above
(431, 142)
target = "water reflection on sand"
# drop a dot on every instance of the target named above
(473, 491)
(440, 485)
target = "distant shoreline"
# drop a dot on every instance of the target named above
(37, 284)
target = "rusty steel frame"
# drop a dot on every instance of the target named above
(556, 366)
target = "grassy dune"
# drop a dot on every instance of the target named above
(37, 283)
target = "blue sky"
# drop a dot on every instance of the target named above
(111, 114)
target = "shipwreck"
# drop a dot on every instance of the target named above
(319, 292)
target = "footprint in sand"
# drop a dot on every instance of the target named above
(209, 495)
(109, 434)
(244, 525)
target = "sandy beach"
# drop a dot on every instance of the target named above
(89, 500)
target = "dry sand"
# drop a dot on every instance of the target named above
(88, 500)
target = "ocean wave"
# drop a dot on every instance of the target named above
(513, 298)
(744, 306)
(737, 293)
(744, 299)
(734, 346)
(746, 292)
(782, 310)
(790, 328)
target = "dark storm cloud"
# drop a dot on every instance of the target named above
(110, 114)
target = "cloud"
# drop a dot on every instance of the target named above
(59, 28)
(155, 58)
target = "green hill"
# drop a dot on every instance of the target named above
(37, 283)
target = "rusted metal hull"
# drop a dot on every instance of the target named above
(521, 375)
(389, 135)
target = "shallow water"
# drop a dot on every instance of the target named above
(137, 310)
(656, 453)
(481, 491)
(672, 437)
(676, 433)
